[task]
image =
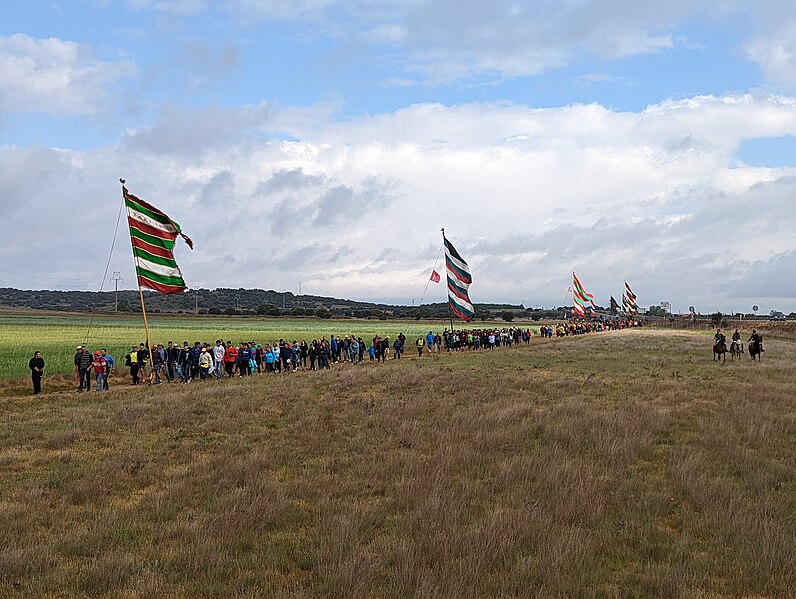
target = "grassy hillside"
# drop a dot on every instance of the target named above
(612, 465)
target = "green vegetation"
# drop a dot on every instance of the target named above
(57, 336)
(622, 464)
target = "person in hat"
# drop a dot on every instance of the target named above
(205, 364)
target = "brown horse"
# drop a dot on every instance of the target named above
(755, 349)
(720, 351)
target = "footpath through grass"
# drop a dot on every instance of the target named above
(619, 464)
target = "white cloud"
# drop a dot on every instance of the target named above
(354, 208)
(775, 52)
(459, 40)
(56, 76)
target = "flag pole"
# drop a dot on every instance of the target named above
(140, 291)
(450, 313)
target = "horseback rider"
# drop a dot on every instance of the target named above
(736, 336)
(719, 338)
(757, 338)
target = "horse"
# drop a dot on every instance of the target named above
(755, 349)
(720, 351)
(736, 349)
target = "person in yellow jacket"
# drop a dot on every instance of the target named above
(131, 362)
(420, 343)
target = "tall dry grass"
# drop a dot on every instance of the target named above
(613, 465)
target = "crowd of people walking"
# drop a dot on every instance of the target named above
(203, 361)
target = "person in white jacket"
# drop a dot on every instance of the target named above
(218, 357)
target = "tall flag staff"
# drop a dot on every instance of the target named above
(459, 280)
(152, 237)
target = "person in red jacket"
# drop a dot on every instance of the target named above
(230, 359)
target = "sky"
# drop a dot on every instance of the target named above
(325, 143)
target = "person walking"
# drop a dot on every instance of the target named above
(244, 360)
(100, 368)
(83, 361)
(230, 359)
(143, 360)
(196, 353)
(183, 366)
(158, 362)
(353, 348)
(219, 351)
(36, 366)
(110, 362)
(132, 363)
(205, 364)
(172, 353)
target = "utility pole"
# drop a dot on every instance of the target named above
(237, 302)
(196, 301)
(116, 277)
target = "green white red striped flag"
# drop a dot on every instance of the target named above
(581, 296)
(153, 234)
(459, 279)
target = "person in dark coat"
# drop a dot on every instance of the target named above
(36, 366)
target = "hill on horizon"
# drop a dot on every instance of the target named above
(228, 301)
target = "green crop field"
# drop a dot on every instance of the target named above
(57, 336)
(619, 465)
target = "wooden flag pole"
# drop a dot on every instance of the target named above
(140, 291)
(450, 312)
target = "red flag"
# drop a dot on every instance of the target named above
(434, 276)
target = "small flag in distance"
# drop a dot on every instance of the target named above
(434, 277)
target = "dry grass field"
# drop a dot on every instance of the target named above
(611, 465)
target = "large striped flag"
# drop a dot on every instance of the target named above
(630, 297)
(459, 280)
(153, 234)
(581, 296)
